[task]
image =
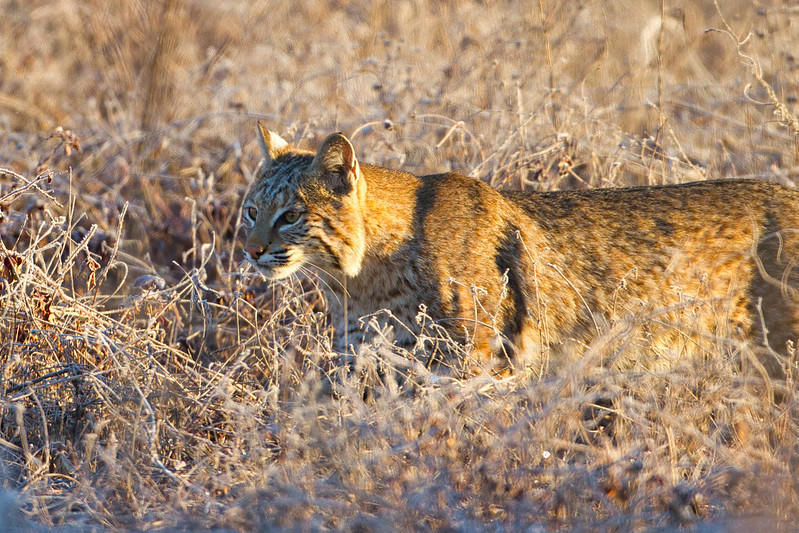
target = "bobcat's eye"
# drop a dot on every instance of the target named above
(252, 213)
(291, 216)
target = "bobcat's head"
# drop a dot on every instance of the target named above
(305, 209)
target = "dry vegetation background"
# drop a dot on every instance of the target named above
(148, 381)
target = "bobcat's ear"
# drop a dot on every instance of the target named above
(335, 161)
(271, 143)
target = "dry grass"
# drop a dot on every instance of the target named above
(149, 382)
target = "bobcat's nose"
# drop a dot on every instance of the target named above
(254, 251)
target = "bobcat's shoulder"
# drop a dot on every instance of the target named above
(519, 273)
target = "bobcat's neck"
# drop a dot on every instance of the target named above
(388, 211)
(387, 273)
(388, 223)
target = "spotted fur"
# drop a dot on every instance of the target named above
(534, 276)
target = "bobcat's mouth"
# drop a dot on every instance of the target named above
(276, 266)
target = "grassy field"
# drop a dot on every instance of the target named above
(150, 380)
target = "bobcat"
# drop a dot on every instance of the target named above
(529, 276)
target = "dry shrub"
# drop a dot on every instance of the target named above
(148, 381)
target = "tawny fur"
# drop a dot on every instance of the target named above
(522, 274)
